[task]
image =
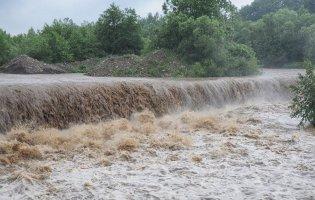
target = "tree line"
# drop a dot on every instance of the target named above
(212, 38)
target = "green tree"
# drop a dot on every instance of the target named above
(68, 41)
(201, 38)
(279, 38)
(150, 24)
(63, 28)
(61, 39)
(171, 34)
(59, 48)
(198, 8)
(308, 35)
(119, 32)
(149, 27)
(310, 5)
(83, 43)
(205, 44)
(257, 9)
(5, 47)
(303, 103)
(34, 45)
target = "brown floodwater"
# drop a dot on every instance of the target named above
(17, 79)
(219, 138)
(61, 100)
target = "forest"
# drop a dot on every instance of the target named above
(215, 39)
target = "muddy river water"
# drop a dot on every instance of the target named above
(229, 138)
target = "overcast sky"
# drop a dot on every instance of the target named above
(17, 16)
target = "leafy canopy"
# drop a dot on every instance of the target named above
(198, 8)
(4, 47)
(259, 8)
(280, 38)
(197, 30)
(119, 31)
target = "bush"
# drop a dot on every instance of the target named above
(235, 60)
(199, 70)
(241, 60)
(303, 104)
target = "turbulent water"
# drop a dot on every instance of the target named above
(61, 100)
(226, 138)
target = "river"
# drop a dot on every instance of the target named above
(226, 138)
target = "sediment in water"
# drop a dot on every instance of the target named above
(62, 104)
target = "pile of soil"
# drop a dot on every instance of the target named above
(79, 66)
(110, 65)
(26, 65)
(156, 64)
(159, 55)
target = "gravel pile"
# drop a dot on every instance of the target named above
(26, 65)
(110, 65)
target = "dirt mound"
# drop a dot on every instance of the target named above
(158, 55)
(159, 63)
(26, 65)
(79, 66)
(111, 65)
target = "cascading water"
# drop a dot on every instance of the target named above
(61, 100)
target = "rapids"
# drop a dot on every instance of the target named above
(61, 100)
(225, 138)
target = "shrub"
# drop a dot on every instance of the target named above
(303, 104)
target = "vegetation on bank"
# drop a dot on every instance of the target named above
(214, 39)
(303, 104)
(282, 39)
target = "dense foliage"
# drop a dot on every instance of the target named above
(116, 32)
(303, 104)
(197, 33)
(119, 31)
(259, 8)
(198, 8)
(5, 48)
(280, 39)
(211, 38)
(149, 27)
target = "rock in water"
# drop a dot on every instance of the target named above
(26, 65)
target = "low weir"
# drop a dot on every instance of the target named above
(61, 100)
